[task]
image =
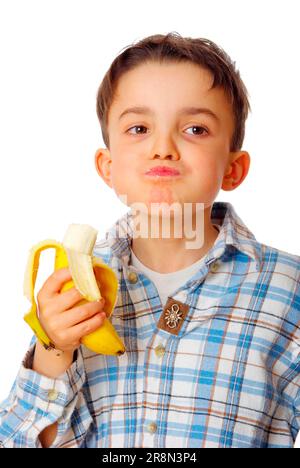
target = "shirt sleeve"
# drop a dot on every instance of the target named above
(289, 383)
(296, 416)
(36, 401)
(290, 402)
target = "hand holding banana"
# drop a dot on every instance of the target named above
(70, 305)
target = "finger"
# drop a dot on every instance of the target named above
(55, 282)
(67, 299)
(74, 334)
(76, 315)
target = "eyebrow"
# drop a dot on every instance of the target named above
(183, 111)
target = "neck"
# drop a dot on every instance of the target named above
(167, 254)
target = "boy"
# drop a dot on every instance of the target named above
(211, 333)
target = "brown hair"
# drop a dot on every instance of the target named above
(172, 47)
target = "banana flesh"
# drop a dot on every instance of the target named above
(88, 272)
(79, 241)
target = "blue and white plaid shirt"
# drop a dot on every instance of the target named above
(229, 378)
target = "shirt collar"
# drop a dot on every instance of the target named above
(233, 233)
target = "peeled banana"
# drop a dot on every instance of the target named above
(76, 253)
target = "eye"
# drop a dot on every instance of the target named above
(198, 127)
(141, 130)
(139, 127)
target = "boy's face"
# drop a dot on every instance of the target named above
(198, 146)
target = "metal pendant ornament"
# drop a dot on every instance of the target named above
(172, 316)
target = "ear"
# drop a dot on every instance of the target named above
(103, 165)
(236, 170)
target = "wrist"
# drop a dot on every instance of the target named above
(51, 362)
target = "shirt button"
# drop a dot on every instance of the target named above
(132, 277)
(215, 266)
(152, 427)
(160, 351)
(52, 395)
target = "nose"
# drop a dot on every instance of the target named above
(165, 148)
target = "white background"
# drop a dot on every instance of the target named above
(53, 56)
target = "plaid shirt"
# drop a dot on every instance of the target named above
(229, 378)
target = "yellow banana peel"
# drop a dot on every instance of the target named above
(75, 252)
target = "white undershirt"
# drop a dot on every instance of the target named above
(167, 283)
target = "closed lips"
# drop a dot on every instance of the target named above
(162, 170)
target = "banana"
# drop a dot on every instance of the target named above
(75, 252)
